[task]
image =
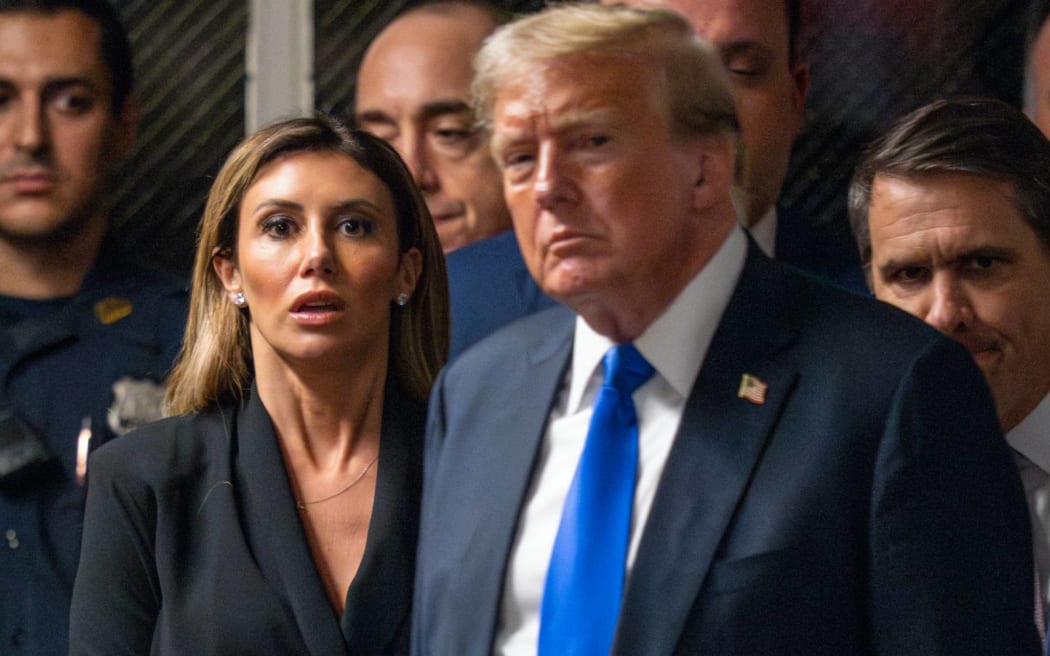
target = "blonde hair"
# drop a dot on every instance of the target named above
(215, 362)
(699, 97)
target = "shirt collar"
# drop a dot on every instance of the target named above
(1031, 437)
(764, 232)
(677, 341)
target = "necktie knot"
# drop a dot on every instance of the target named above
(626, 369)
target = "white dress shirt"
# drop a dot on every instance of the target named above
(1030, 440)
(675, 344)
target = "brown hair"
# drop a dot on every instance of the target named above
(978, 136)
(215, 363)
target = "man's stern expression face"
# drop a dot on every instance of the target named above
(59, 135)
(603, 197)
(752, 37)
(413, 90)
(954, 250)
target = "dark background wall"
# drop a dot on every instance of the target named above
(871, 60)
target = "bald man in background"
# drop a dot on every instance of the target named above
(413, 90)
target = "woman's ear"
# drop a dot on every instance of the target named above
(226, 268)
(409, 269)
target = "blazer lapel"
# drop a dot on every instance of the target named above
(380, 597)
(719, 442)
(515, 421)
(276, 533)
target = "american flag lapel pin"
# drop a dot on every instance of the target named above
(753, 389)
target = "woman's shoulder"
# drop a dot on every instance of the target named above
(166, 448)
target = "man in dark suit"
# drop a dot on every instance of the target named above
(788, 473)
(951, 211)
(758, 43)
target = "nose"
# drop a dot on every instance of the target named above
(318, 258)
(950, 310)
(419, 161)
(30, 127)
(551, 186)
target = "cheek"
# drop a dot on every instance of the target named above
(82, 150)
(915, 303)
(263, 272)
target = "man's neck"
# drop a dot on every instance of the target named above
(49, 270)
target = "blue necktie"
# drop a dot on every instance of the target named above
(581, 600)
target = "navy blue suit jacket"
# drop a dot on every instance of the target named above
(868, 506)
(489, 287)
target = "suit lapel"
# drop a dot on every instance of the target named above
(516, 428)
(277, 536)
(720, 440)
(380, 597)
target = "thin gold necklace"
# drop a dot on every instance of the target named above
(301, 504)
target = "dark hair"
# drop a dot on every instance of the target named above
(1038, 13)
(215, 363)
(794, 18)
(978, 136)
(116, 50)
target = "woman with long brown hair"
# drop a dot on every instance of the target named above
(277, 512)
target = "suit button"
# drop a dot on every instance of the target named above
(12, 538)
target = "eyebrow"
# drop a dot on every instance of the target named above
(996, 252)
(53, 83)
(744, 47)
(349, 204)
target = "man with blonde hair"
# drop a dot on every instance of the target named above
(705, 451)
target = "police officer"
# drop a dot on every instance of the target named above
(85, 337)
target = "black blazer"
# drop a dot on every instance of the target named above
(868, 506)
(193, 545)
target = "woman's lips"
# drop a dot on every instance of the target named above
(315, 308)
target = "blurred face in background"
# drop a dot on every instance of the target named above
(59, 134)
(413, 90)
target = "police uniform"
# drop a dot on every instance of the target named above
(75, 373)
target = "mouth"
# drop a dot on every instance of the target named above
(445, 212)
(985, 353)
(314, 307)
(30, 181)
(563, 240)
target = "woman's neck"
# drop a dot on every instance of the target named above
(326, 417)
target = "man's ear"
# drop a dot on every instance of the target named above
(127, 125)
(799, 86)
(715, 171)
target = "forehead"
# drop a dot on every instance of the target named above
(579, 90)
(949, 210)
(728, 23)
(327, 175)
(423, 56)
(39, 46)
